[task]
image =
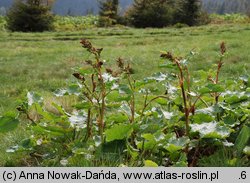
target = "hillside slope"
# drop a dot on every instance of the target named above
(226, 6)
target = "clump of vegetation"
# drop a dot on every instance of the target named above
(75, 23)
(2, 23)
(169, 119)
(29, 16)
(188, 12)
(229, 18)
(148, 13)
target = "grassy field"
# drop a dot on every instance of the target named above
(43, 62)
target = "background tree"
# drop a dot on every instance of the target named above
(30, 16)
(151, 13)
(108, 12)
(188, 12)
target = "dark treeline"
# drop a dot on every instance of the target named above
(36, 15)
(83, 7)
(74, 7)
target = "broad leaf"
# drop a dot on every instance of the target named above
(59, 108)
(117, 118)
(49, 130)
(118, 132)
(83, 105)
(211, 88)
(8, 123)
(242, 139)
(236, 98)
(149, 142)
(73, 89)
(176, 144)
(115, 96)
(211, 130)
(124, 89)
(202, 117)
(86, 70)
(210, 110)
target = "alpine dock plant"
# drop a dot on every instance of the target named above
(172, 118)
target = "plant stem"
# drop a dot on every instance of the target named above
(217, 79)
(188, 85)
(181, 82)
(132, 101)
(89, 125)
(103, 95)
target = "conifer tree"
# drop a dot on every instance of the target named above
(188, 12)
(108, 12)
(151, 13)
(30, 16)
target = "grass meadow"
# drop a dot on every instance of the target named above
(43, 62)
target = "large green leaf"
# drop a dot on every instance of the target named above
(176, 144)
(50, 130)
(125, 89)
(141, 83)
(236, 97)
(8, 123)
(72, 89)
(210, 110)
(46, 115)
(242, 139)
(24, 145)
(59, 108)
(211, 88)
(149, 143)
(202, 117)
(168, 65)
(231, 120)
(117, 118)
(118, 132)
(211, 130)
(115, 96)
(86, 70)
(124, 108)
(83, 105)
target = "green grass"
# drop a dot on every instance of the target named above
(43, 62)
